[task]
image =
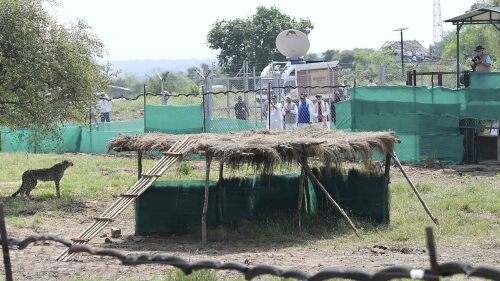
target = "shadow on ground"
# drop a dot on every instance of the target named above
(19, 207)
(247, 236)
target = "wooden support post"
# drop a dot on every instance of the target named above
(318, 183)
(302, 182)
(139, 164)
(5, 246)
(498, 149)
(219, 191)
(431, 249)
(205, 201)
(396, 160)
(387, 172)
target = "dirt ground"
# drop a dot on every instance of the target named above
(37, 262)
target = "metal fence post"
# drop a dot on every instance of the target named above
(144, 107)
(90, 129)
(204, 109)
(269, 105)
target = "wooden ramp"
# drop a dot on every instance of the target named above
(125, 199)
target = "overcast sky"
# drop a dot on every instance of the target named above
(159, 29)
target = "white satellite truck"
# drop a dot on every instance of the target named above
(296, 72)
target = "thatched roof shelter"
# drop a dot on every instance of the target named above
(264, 149)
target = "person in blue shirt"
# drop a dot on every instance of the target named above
(306, 111)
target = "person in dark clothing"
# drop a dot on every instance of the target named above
(241, 109)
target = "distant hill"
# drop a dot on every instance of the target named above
(142, 67)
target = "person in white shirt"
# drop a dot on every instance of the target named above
(345, 91)
(105, 108)
(322, 113)
(276, 120)
(305, 111)
(290, 114)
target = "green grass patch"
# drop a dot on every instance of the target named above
(470, 209)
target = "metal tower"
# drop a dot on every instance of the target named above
(438, 26)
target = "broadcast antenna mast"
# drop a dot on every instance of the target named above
(437, 35)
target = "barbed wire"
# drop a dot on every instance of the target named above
(121, 97)
(389, 273)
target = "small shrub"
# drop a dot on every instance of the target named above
(466, 208)
(185, 169)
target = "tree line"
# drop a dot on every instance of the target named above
(49, 73)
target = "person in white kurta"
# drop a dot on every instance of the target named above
(290, 114)
(322, 113)
(276, 115)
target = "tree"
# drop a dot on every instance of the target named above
(48, 72)
(252, 39)
(312, 57)
(129, 80)
(174, 83)
(331, 54)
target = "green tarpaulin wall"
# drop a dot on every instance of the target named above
(69, 141)
(95, 140)
(174, 119)
(176, 206)
(426, 120)
(71, 138)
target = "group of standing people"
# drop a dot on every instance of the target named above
(291, 115)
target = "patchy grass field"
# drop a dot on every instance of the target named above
(467, 206)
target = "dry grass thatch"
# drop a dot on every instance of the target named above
(264, 150)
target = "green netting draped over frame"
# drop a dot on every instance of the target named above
(426, 120)
(67, 140)
(175, 206)
(95, 140)
(174, 119)
(484, 80)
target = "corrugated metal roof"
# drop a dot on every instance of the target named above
(483, 15)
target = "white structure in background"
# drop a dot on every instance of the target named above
(437, 34)
(294, 44)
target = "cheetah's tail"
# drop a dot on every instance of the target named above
(16, 193)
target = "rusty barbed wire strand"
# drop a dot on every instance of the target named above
(389, 273)
(226, 92)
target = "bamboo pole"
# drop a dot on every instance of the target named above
(205, 201)
(219, 191)
(396, 160)
(318, 183)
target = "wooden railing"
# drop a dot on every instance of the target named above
(411, 77)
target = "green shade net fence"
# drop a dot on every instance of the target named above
(426, 120)
(176, 206)
(21, 140)
(174, 119)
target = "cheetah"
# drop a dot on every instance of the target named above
(30, 178)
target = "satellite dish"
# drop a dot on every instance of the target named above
(292, 43)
